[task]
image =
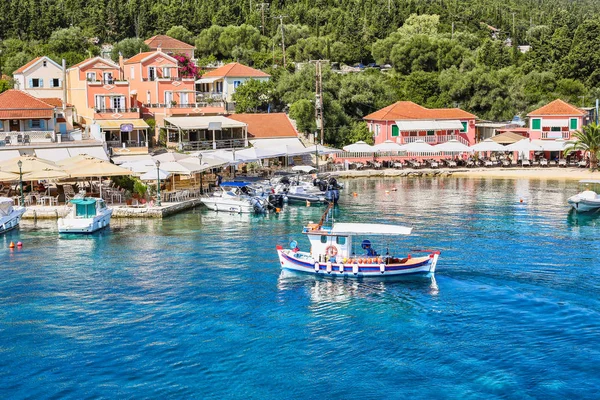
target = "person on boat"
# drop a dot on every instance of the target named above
(369, 251)
(219, 180)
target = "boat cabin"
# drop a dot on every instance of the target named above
(87, 207)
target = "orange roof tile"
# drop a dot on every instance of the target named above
(235, 70)
(167, 42)
(54, 101)
(407, 110)
(29, 64)
(556, 107)
(138, 57)
(262, 126)
(15, 104)
(97, 58)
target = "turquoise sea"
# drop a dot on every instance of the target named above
(196, 306)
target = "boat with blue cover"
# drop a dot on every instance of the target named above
(332, 252)
(88, 215)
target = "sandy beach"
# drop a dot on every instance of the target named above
(509, 173)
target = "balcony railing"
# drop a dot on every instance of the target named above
(208, 144)
(115, 110)
(26, 137)
(554, 135)
(202, 96)
(434, 139)
(189, 105)
(127, 143)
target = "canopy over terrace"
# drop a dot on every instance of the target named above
(420, 148)
(488, 145)
(207, 132)
(131, 132)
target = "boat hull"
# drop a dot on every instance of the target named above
(11, 221)
(582, 205)
(228, 206)
(301, 263)
(84, 225)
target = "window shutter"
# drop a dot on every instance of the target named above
(41, 82)
(464, 126)
(395, 130)
(573, 124)
(1, 126)
(42, 125)
(30, 82)
(536, 124)
(30, 123)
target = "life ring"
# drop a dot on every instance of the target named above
(331, 251)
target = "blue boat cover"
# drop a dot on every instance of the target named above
(235, 184)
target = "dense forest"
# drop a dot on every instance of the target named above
(442, 52)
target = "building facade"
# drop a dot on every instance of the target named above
(406, 122)
(555, 120)
(221, 83)
(41, 77)
(170, 46)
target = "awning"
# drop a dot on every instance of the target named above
(9, 154)
(555, 122)
(187, 123)
(132, 158)
(96, 151)
(291, 146)
(115, 124)
(52, 154)
(207, 80)
(429, 125)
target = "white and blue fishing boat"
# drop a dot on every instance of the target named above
(10, 215)
(332, 252)
(88, 214)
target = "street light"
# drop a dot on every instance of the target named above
(20, 164)
(158, 185)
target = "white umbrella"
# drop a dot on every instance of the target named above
(304, 168)
(168, 157)
(524, 146)
(139, 167)
(360, 147)
(388, 145)
(180, 167)
(322, 150)
(551, 145)
(255, 154)
(154, 175)
(453, 146)
(488, 145)
(205, 162)
(419, 146)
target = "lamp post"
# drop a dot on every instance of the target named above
(20, 164)
(158, 185)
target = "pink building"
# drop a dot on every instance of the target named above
(406, 122)
(170, 45)
(555, 120)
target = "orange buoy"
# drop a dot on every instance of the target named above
(277, 209)
(520, 201)
(11, 245)
(355, 194)
(387, 192)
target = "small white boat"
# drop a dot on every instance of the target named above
(332, 253)
(10, 215)
(586, 201)
(87, 215)
(232, 198)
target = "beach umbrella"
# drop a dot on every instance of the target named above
(45, 174)
(360, 147)
(523, 146)
(205, 162)
(139, 167)
(419, 146)
(76, 159)
(181, 167)
(8, 176)
(28, 164)
(95, 168)
(551, 145)
(171, 156)
(388, 145)
(154, 175)
(488, 145)
(453, 146)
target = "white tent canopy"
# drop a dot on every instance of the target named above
(139, 167)
(488, 145)
(453, 146)
(322, 150)
(524, 145)
(419, 147)
(154, 175)
(255, 154)
(388, 145)
(187, 123)
(360, 147)
(551, 145)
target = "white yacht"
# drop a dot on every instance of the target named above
(586, 201)
(87, 215)
(235, 197)
(10, 216)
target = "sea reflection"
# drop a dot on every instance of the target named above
(583, 219)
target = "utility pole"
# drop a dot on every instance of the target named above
(262, 14)
(280, 18)
(452, 30)
(319, 96)
(513, 30)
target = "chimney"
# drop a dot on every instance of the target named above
(64, 84)
(121, 67)
(159, 49)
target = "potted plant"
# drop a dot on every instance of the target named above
(173, 103)
(128, 198)
(140, 189)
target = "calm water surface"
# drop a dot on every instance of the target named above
(195, 306)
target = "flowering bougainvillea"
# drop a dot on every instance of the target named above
(187, 68)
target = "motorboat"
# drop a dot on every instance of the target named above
(236, 197)
(10, 215)
(332, 252)
(586, 201)
(87, 215)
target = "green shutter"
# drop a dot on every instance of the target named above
(395, 131)
(430, 133)
(464, 128)
(573, 124)
(536, 124)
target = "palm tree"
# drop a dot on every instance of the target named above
(586, 140)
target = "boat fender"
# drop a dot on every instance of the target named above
(11, 245)
(19, 244)
(408, 257)
(328, 268)
(355, 269)
(382, 268)
(317, 267)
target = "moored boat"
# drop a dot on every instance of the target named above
(332, 252)
(235, 197)
(586, 201)
(10, 215)
(88, 215)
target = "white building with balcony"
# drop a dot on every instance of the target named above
(41, 77)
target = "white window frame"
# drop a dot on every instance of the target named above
(148, 97)
(99, 102)
(132, 70)
(183, 98)
(166, 72)
(117, 103)
(90, 76)
(151, 73)
(33, 125)
(52, 85)
(168, 97)
(236, 84)
(34, 86)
